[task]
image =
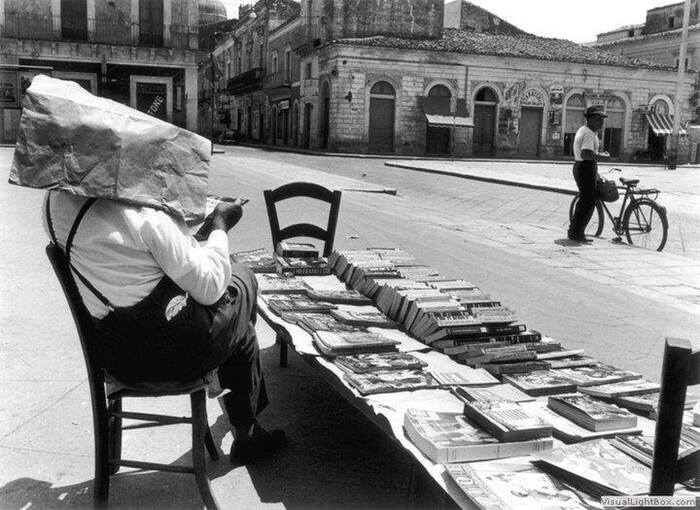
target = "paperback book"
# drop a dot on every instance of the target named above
(260, 260)
(317, 266)
(517, 367)
(340, 297)
(334, 343)
(600, 373)
(513, 485)
(569, 361)
(621, 389)
(389, 381)
(541, 382)
(276, 284)
(596, 467)
(590, 413)
(507, 421)
(375, 362)
(491, 393)
(641, 447)
(297, 303)
(366, 318)
(296, 250)
(450, 437)
(312, 322)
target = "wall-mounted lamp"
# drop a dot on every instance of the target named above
(348, 96)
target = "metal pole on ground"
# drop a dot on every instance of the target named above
(673, 158)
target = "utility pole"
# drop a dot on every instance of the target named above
(213, 98)
(673, 159)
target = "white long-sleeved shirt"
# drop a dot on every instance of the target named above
(124, 251)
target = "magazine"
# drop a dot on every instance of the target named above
(540, 382)
(374, 362)
(508, 421)
(388, 381)
(590, 413)
(275, 284)
(622, 389)
(600, 373)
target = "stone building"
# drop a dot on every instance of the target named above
(386, 76)
(138, 52)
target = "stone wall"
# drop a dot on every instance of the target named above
(658, 19)
(515, 81)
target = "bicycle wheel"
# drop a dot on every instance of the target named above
(646, 225)
(595, 226)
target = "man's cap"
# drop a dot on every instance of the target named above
(596, 109)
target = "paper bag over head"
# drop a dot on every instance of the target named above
(95, 147)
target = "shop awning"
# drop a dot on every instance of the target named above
(448, 121)
(662, 124)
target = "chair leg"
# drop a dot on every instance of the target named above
(102, 467)
(115, 434)
(211, 446)
(199, 432)
(283, 350)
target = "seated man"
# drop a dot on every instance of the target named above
(124, 259)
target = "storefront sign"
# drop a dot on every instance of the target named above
(556, 94)
(283, 105)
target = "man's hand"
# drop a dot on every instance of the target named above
(226, 215)
(604, 154)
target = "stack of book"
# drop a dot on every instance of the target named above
(541, 382)
(491, 393)
(260, 260)
(280, 304)
(621, 389)
(335, 343)
(276, 284)
(312, 322)
(296, 250)
(450, 437)
(590, 413)
(506, 420)
(339, 297)
(309, 266)
(363, 316)
(597, 374)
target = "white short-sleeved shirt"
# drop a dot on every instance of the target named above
(585, 139)
(124, 251)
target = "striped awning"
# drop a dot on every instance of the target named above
(662, 124)
(448, 121)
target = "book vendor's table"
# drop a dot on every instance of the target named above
(386, 410)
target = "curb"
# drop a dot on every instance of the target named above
(494, 180)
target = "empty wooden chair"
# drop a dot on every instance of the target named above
(107, 409)
(327, 234)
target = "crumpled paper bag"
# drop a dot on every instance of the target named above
(95, 147)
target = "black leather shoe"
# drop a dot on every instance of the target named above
(580, 239)
(260, 445)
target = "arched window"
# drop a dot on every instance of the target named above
(439, 91)
(382, 88)
(575, 106)
(486, 95)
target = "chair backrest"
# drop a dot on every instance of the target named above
(81, 317)
(309, 190)
(680, 369)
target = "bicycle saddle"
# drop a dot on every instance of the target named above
(629, 182)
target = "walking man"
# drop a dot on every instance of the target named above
(586, 145)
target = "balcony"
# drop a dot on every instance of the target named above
(100, 31)
(247, 81)
(279, 79)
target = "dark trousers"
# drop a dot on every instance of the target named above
(585, 174)
(241, 373)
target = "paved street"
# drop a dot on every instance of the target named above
(615, 301)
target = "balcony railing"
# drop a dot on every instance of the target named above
(247, 81)
(278, 79)
(54, 28)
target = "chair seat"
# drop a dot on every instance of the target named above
(117, 388)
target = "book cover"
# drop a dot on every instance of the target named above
(598, 467)
(570, 432)
(540, 382)
(507, 421)
(516, 367)
(641, 447)
(512, 485)
(622, 389)
(296, 303)
(590, 413)
(367, 318)
(599, 373)
(341, 297)
(312, 322)
(389, 381)
(450, 437)
(296, 250)
(491, 393)
(569, 361)
(317, 266)
(374, 362)
(275, 284)
(333, 343)
(260, 260)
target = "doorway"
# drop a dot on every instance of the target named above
(381, 117)
(485, 103)
(530, 132)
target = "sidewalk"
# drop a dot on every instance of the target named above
(679, 188)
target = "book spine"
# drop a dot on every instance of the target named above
(305, 271)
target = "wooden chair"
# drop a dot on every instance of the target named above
(327, 235)
(107, 410)
(680, 369)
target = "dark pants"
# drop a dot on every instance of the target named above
(241, 373)
(585, 174)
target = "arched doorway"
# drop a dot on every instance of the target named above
(437, 139)
(381, 117)
(656, 143)
(485, 103)
(531, 108)
(574, 120)
(325, 114)
(614, 127)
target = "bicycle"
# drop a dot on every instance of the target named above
(641, 219)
